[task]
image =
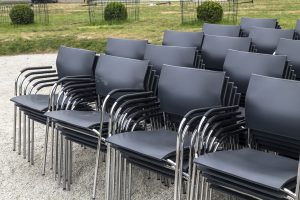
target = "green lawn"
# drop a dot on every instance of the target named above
(69, 26)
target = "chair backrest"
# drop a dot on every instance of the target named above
(272, 106)
(74, 62)
(248, 23)
(265, 40)
(221, 30)
(126, 48)
(297, 30)
(183, 39)
(291, 49)
(214, 49)
(240, 65)
(114, 72)
(182, 89)
(171, 55)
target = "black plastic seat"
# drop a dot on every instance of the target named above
(37, 102)
(250, 165)
(127, 48)
(142, 142)
(214, 49)
(265, 40)
(172, 55)
(221, 30)
(82, 119)
(183, 39)
(291, 49)
(248, 23)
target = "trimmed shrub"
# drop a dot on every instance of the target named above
(210, 11)
(21, 14)
(115, 11)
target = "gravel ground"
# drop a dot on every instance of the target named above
(20, 180)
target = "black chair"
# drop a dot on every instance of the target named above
(240, 65)
(70, 62)
(172, 55)
(248, 23)
(126, 48)
(183, 39)
(115, 77)
(265, 40)
(196, 91)
(297, 30)
(291, 49)
(214, 49)
(272, 116)
(221, 30)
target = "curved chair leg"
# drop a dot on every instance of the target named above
(96, 168)
(56, 152)
(45, 147)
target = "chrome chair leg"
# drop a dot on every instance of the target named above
(24, 136)
(65, 168)
(198, 179)
(20, 132)
(209, 192)
(129, 181)
(71, 161)
(56, 152)
(52, 144)
(60, 159)
(45, 147)
(192, 184)
(32, 142)
(69, 166)
(96, 168)
(108, 162)
(124, 178)
(15, 129)
(28, 139)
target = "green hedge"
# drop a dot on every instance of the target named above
(210, 11)
(115, 11)
(21, 14)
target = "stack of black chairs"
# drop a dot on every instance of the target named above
(205, 111)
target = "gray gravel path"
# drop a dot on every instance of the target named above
(19, 180)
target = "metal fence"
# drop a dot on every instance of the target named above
(96, 9)
(40, 9)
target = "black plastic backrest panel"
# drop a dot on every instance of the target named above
(183, 39)
(117, 72)
(170, 55)
(214, 49)
(126, 48)
(297, 29)
(291, 48)
(272, 106)
(74, 62)
(221, 30)
(248, 23)
(239, 66)
(266, 40)
(182, 89)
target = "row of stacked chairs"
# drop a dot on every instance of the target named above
(204, 110)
